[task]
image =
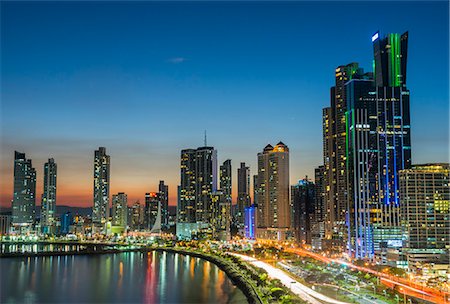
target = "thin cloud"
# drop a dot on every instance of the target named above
(177, 60)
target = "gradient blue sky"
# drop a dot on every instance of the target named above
(145, 79)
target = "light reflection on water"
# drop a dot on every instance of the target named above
(130, 277)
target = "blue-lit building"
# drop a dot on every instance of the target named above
(393, 136)
(378, 146)
(250, 222)
(66, 222)
(362, 166)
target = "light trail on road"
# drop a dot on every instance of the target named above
(407, 288)
(296, 287)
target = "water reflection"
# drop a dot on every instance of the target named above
(131, 277)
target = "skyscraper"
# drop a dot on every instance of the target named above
(152, 204)
(425, 214)
(224, 201)
(100, 212)
(255, 189)
(250, 222)
(366, 141)
(226, 180)
(393, 135)
(362, 167)
(243, 198)
(66, 222)
(120, 210)
(334, 133)
(48, 202)
(198, 183)
(205, 182)
(221, 217)
(329, 175)
(318, 224)
(187, 191)
(24, 198)
(163, 193)
(137, 216)
(273, 192)
(302, 210)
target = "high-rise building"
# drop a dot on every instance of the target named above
(250, 222)
(318, 223)
(100, 211)
(226, 180)
(221, 218)
(334, 133)
(187, 191)
(255, 189)
(393, 136)
(66, 222)
(362, 166)
(24, 198)
(120, 210)
(273, 192)
(302, 210)
(5, 224)
(206, 182)
(366, 141)
(164, 199)
(48, 201)
(243, 198)
(329, 179)
(152, 204)
(137, 216)
(198, 182)
(425, 214)
(224, 202)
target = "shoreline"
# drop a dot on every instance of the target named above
(229, 268)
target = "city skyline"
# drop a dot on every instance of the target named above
(147, 152)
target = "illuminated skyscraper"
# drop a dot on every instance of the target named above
(273, 192)
(223, 202)
(137, 216)
(100, 212)
(302, 210)
(378, 146)
(425, 214)
(120, 210)
(48, 202)
(334, 140)
(186, 207)
(198, 182)
(250, 222)
(318, 224)
(164, 199)
(205, 182)
(24, 198)
(362, 167)
(393, 135)
(66, 222)
(243, 198)
(152, 204)
(221, 217)
(226, 180)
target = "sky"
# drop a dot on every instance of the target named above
(146, 79)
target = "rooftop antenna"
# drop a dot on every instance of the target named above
(205, 139)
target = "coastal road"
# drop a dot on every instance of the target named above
(304, 292)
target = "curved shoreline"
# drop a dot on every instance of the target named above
(229, 268)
